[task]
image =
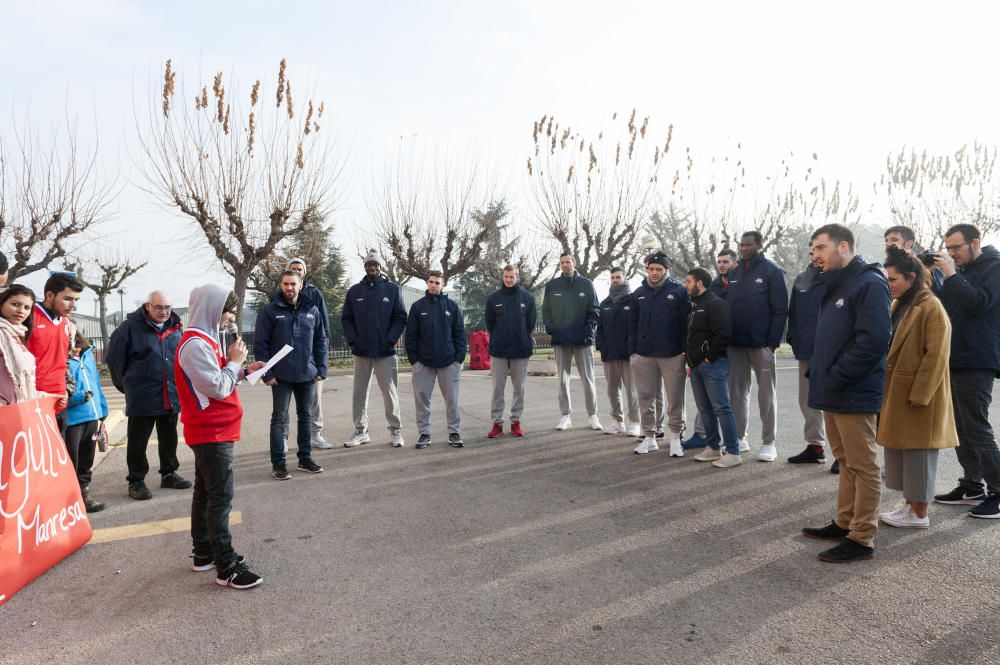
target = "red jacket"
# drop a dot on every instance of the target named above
(206, 419)
(49, 342)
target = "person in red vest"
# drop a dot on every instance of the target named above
(50, 338)
(211, 415)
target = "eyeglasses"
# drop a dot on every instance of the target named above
(955, 248)
(162, 308)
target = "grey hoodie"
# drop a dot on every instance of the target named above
(198, 359)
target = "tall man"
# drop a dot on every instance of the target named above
(310, 294)
(570, 311)
(758, 302)
(656, 336)
(971, 296)
(291, 319)
(140, 358)
(510, 320)
(846, 377)
(51, 338)
(373, 320)
(435, 347)
(612, 342)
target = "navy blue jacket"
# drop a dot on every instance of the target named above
(972, 299)
(140, 359)
(312, 296)
(847, 369)
(570, 310)
(435, 332)
(718, 287)
(612, 328)
(758, 303)
(803, 312)
(658, 325)
(373, 317)
(510, 320)
(301, 327)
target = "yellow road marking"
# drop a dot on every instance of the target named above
(144, 529)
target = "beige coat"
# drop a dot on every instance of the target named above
(917, 372)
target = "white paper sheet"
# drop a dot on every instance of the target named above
(254, 377)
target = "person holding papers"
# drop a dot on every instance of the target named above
(289, 320)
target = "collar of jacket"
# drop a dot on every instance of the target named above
(281, 301)
(706, 295)
(508, 290)
(658, 286)
(435, 298)
(172, 321)
(834, 278)
(372, 282)
(989, 255)
(620, 293)
(750, 264)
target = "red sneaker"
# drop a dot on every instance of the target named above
(515, 429)
(497, 431)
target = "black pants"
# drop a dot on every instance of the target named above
(978, 453)
(139, 430)
(82, 446)
(211, 502)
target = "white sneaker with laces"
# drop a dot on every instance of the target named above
(357, 439)
(397, 438)
(768, 453)
(594, 422)
(708, 455)
(905, 519)
(614, 428)
(634, 430)
(564, 424)
(648, 445)
(319, 442)
(727, 461)
(744, 446)
(897, 511)
(676, 449)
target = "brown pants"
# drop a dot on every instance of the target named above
(852, 441)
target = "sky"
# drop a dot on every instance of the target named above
(850, 81)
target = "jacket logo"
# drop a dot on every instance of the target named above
(502, 305)
(423, 313)
(582, 294)
(523, 306)
(759, 280)
(40, 326)
(310, 316)
(626, 308)
(279, 316)
(359, 300)
(447, 313)
(641, 298)
(670, 296)
(839, 303)
(385, 299)
(557, 294)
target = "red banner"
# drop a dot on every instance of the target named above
(42, 518)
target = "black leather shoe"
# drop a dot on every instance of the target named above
(846, 552)
(138, 491)
(808, 456)
(172, 481)
(829, 532)
(92, 505)
(835, 469)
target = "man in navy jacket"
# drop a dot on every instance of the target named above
(612, 342)
(373, 320)
(758, 301)
(846, 379)
(510, 320)
(435, 347)
(310, 294)
(291, 320)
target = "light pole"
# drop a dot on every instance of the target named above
(121, 304)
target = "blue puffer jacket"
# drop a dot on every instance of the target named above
(435, 332)
(612, 329)
(658, 325)
(972, 299)
(570, 310)
(510, 320)
(301, 327)
(803, 312)
(758, 302)
(373, 317)
(82, 408)
(140, 359)
(847, 370)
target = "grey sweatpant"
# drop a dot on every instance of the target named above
(317, 409)
(743, 360)
(517, 368)
(814, 429)
(618, 374)
(650, 376)
(385, 370)
(450, 380)
(584, 356)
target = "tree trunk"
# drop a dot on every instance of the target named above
(242, 276)
(102, 303)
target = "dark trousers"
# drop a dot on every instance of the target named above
(211, 502)
(82, 446)
(61, 423)
(281, 396)
(139, 430)
(978, 453)
(710, 386)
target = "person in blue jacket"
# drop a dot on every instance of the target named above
(436, 347)
(846, 381)
(510, 320)
(311, 294)
(85, 412)
(612, 342)
(373, 320)
(290, 320)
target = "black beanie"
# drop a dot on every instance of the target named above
(658, 257)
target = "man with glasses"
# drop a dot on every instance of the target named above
(140, 357)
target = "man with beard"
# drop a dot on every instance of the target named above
(612, 342)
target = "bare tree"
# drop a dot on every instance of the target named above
(594, 195)
(113, 269)
(244, 177)
(51, 197)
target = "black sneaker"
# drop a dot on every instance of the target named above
(138, 491)
(661, 434)
(829, 532)
(988, 509)
(238, 576)
(172, 481)
(310, 466)
(961, 497)
(846, 552)
(201, 563)
(808, 456)
(835, 468)
(455, 439)
(423, 441)
(92, 505)
(280, 472)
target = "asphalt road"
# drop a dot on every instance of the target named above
(562, 547)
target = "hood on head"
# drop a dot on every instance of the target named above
(206, 304)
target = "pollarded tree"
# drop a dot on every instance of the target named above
(104, 275)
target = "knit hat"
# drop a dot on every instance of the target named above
(657, 257)
(372, 257)
(299, 259)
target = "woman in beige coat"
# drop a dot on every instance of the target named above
(917, 419)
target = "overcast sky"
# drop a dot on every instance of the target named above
(850, 81)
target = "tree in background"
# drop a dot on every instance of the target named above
(111, 271)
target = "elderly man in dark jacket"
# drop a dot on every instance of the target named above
(846, 379)
(435, 347)
(290, 320)
(140, 358)
(510, 320)
(612, 342)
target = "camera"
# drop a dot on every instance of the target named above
(927, 258)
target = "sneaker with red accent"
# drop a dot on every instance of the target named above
(515, 428)
(497, 431)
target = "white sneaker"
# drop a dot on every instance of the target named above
(634, 430)
(359, 437)
(564, 424)
(897, 511)
(397, 438)
(614, 428)
(648, 445)
(905, 519)
(594, 423)
(707, 455)
(676, 449)
(727, 461)
(768, 453)
(319, 442)
(744, 446)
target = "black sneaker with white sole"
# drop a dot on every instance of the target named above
(280, 472)
(423, 441)
(961, 497)
(200, 564)
(238, 576)
(309, 466)
(455, 439)
(988, 509)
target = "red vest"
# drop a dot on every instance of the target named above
(49, 343)
(206, 419)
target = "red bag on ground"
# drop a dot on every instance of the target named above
(42, 518)
(479, 350)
